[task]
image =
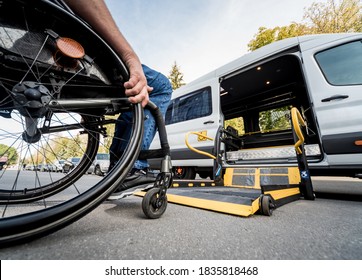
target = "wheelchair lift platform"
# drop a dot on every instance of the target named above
(244, 192)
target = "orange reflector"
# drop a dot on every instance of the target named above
(70, 48)
(358, 142)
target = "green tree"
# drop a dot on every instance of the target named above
(237, 123)
(75, 146)
(275, 119)
(319, 18)
(176, 77)
(64, 147)
(330, 17)
(10, 153)
(266, 36)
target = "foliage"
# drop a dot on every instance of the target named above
(266, 36)
(330, 17)
(326, 17)
(60, 148)
(237, 123)
(275, 119)
(10, 153)
(176, 77)
(70, 147)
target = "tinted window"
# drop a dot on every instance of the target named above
(342, 65)
(102, 156)
(192, 106)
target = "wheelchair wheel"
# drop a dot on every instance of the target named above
(153, 205)
(56, 113)
(266, 205)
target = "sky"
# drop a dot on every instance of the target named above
(199, 35)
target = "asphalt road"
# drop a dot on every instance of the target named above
(329, 228)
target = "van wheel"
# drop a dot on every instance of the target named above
(206, 174)
(203, 175)
(184, 172)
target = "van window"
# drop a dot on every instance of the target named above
(188, 107)
(342, 65)
(275, 119)
(75, 160)
(237, 124)
(103, 156)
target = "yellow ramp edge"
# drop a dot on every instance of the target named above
(279, 194)
(212, 205)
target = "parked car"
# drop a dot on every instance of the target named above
(30, 167)
(70, 163)
(58, 165)
(100, 164)
(47, 167)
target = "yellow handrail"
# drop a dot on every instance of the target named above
(196, 150)
(297, 120)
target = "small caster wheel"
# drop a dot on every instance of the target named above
(266, 205)
(152, 205)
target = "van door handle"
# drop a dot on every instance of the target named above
(335, 97)
(208, 122)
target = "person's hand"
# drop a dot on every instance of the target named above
(136, 87)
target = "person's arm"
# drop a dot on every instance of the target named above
(96, 13)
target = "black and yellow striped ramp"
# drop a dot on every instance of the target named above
(242, 191)
(235, 201)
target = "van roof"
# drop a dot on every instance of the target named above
(304, 42)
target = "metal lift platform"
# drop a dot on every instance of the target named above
(244, 191)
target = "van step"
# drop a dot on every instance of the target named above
(255, 178)
(283, 152)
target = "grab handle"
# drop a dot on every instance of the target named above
(335, 97)
(194, 149)
(297, 121)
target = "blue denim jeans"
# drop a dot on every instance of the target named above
(160, 95)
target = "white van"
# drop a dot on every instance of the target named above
(320, 75)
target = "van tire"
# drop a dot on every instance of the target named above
(206, 174)
(184, 172)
